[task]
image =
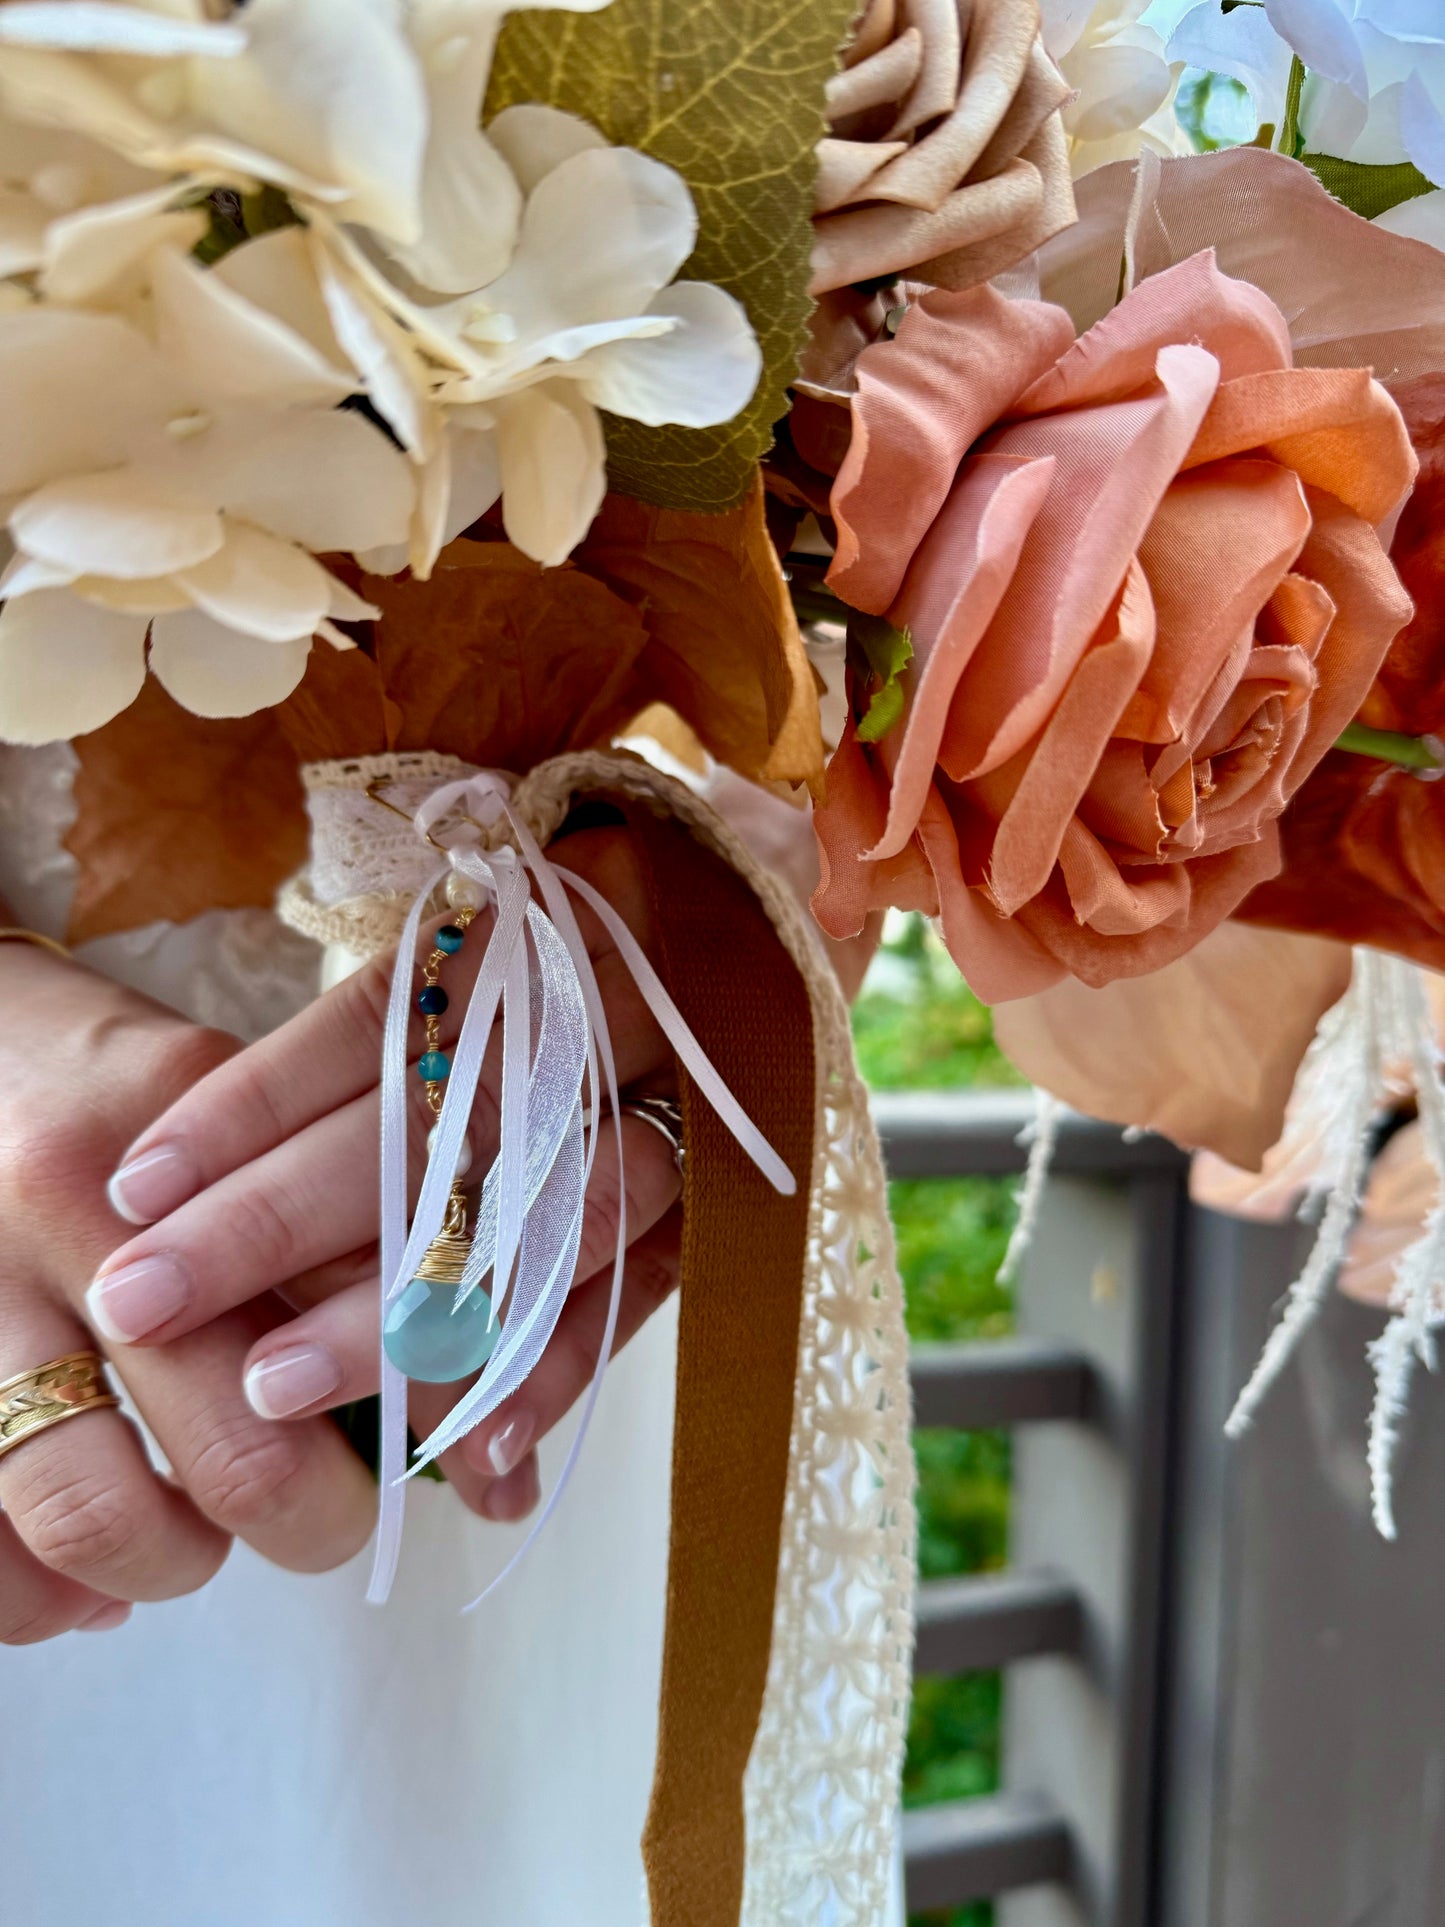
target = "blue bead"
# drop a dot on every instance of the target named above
(432, 1001)
(426, 1339)
(433, 1066)
(450, 938)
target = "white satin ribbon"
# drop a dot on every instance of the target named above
(557, 1068)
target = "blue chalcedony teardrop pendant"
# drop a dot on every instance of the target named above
(426, 1339)
(426, 1335)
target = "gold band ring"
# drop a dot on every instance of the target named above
(11, 935)
(32, 1401)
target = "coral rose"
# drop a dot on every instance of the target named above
(1145, 592)
(1364, 846)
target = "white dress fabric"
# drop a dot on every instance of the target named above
(271, 1752)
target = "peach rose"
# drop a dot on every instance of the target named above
(1364, 847)
(1145, 593)
(946, 159)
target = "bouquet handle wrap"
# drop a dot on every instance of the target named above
(744, 1251)
(789, 1633)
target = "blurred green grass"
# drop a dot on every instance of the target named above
(918, 1026)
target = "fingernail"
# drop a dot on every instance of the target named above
(507, 1449)
(151, 1186)
(288, 1381)
(115, 1612)
(138, 1299)
(513, 1498)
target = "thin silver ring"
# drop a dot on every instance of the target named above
(665, 1117)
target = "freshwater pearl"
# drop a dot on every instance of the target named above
(464, 893)
(425, 1338)
(464, 1156)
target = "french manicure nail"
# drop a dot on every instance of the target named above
(513, 1497)
(151, 1186)
(288, 1381)
(131, 1303)
(115, 1612)
(508, 1449)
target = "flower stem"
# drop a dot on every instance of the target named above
(1425, 753)
(1289, 134)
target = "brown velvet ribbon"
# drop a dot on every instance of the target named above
(743, 1251)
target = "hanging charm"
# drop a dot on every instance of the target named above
(484, 1304)
(430, 1332)
(434, 1331)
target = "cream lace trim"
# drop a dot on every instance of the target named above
(822, 1787)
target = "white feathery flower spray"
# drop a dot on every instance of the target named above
(1374, 1047)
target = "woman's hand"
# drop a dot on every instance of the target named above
(262, 1179)
(87, 1523)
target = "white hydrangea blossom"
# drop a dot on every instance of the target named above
(1123, 81)
(489, 293)
(1376, 87)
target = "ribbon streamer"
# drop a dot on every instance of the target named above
(558, 1067)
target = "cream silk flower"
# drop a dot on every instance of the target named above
(368, 108)
(77, 216)
(181, 482)
(587, 317)
(1124, 84)
(495, 291)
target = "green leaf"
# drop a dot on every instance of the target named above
(881, 653)
(730, 93)
(360, 1425)
(1368, 190)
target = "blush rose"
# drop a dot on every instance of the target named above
(1142, 578)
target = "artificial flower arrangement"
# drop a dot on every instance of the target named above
(394, 380)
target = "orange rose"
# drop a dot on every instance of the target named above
(1364, 847)
(1145, 593)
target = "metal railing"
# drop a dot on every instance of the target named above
(1076, 1618)
(1223, 1693)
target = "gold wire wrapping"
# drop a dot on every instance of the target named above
(445, 1258)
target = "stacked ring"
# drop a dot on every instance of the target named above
(665, 1117)
(33, 1401)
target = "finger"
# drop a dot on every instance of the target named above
(36, 1603)
(82, 1496)
(497, 1447)
(258, 1100)
(329, 1356)
(298, 1494)
(506, 1501)
(304, 1205)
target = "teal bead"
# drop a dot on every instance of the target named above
(450, 938)
(433, 1066)
(424, 1338)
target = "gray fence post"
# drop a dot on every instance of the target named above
(1305, 1672)
(1225, 1695)
(1090, 1497)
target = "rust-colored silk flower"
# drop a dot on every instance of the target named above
(1145, 592)
(1364, 846)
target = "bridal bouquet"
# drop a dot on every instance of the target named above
(1010, 430)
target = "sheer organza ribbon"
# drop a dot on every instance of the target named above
(559, 1091)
